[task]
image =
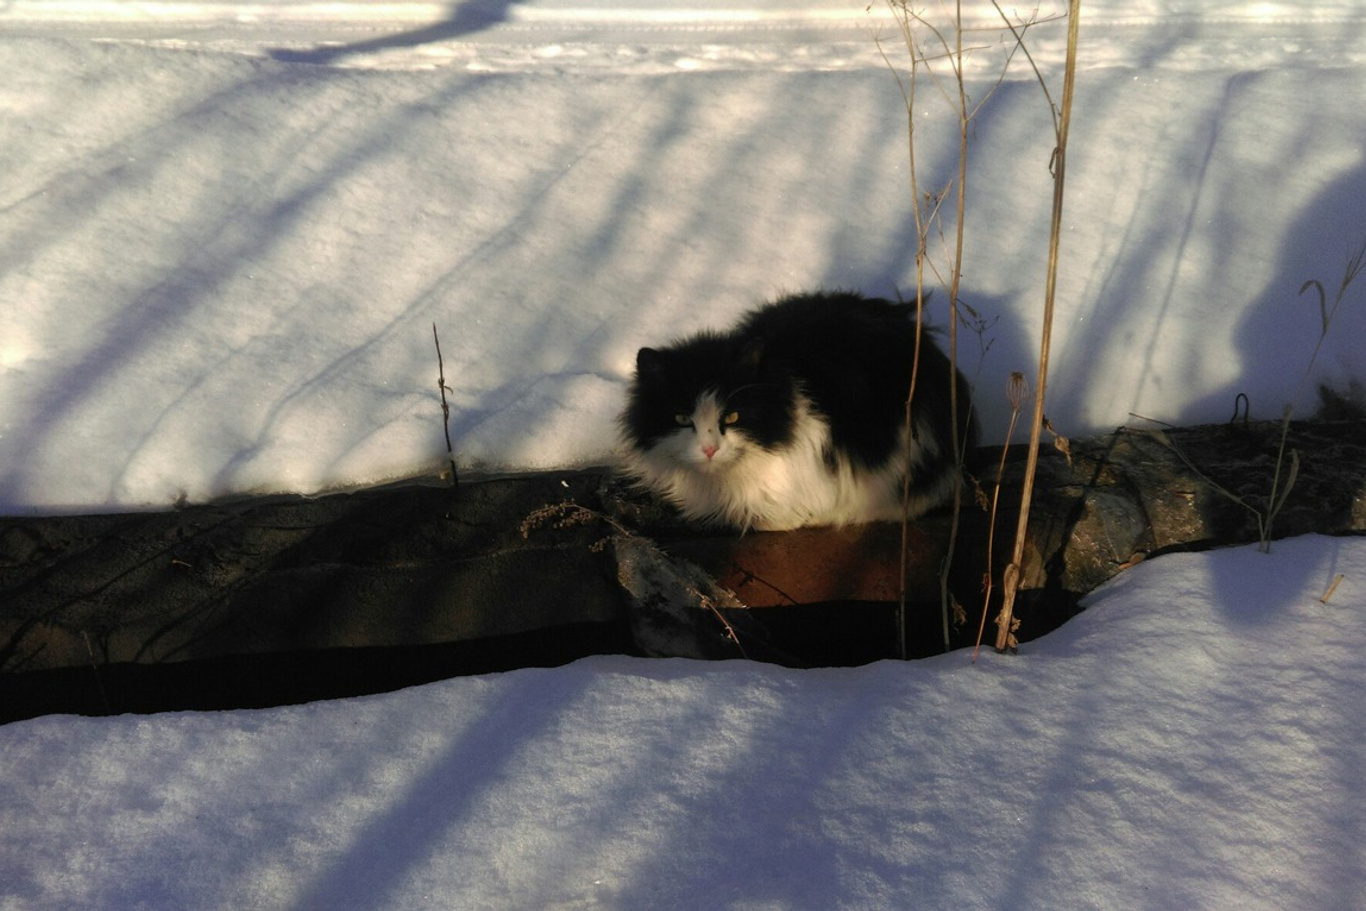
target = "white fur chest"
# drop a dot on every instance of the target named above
(712, 472)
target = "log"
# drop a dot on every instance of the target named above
(419, 564)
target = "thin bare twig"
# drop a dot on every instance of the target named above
(445, 408)
(927, 216)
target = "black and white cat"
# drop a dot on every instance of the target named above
(796, 417)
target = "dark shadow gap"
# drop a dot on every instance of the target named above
(811, 635)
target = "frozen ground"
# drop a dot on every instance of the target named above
(227, 229)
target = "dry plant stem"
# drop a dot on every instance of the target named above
(923, 221)
(957, 274)
(906, 478)
(1011, 580)
(908, 95)
(725, 624)
(445, 408)
(1278, 493)
(1259, 515)
(1332, 587)
(1017, 390)
(906, 483)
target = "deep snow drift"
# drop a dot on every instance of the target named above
(1192, 740)
(227, 229)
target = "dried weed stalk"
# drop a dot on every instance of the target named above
(445, 407)
(1006, 625)
(1017, 391)
(937, 54)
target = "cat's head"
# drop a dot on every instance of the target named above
(705, 402)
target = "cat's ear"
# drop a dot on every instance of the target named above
(649, 363)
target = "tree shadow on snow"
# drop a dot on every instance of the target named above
(1316, 246)
(464, 19)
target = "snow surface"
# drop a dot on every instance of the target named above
(227, 229)
(1193, 740)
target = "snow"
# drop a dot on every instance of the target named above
(227, 229)
(1192, 740)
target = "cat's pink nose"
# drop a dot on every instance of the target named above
(709, 450)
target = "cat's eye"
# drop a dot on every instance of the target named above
(732, 417)
(683, 420)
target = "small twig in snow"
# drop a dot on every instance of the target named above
(445, 407)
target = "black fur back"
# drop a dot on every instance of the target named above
(853, 357)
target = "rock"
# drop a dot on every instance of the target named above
(675, 606)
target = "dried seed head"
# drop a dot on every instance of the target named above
(1017, 390)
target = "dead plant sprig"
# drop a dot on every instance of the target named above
(1263, 514)
(1017, 391)
(445, 407)
(946, 45)
(908, 20)
(1332, 587)
(1351, 270)
(1017, 31)
(569, 514)
(707, 603)
(955, 406)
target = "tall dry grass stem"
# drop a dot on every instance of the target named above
(926, 210)
(1006, 624)
(923, 221)
(932, 49)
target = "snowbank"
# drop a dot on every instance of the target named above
(223, 256)
(1190, 741)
